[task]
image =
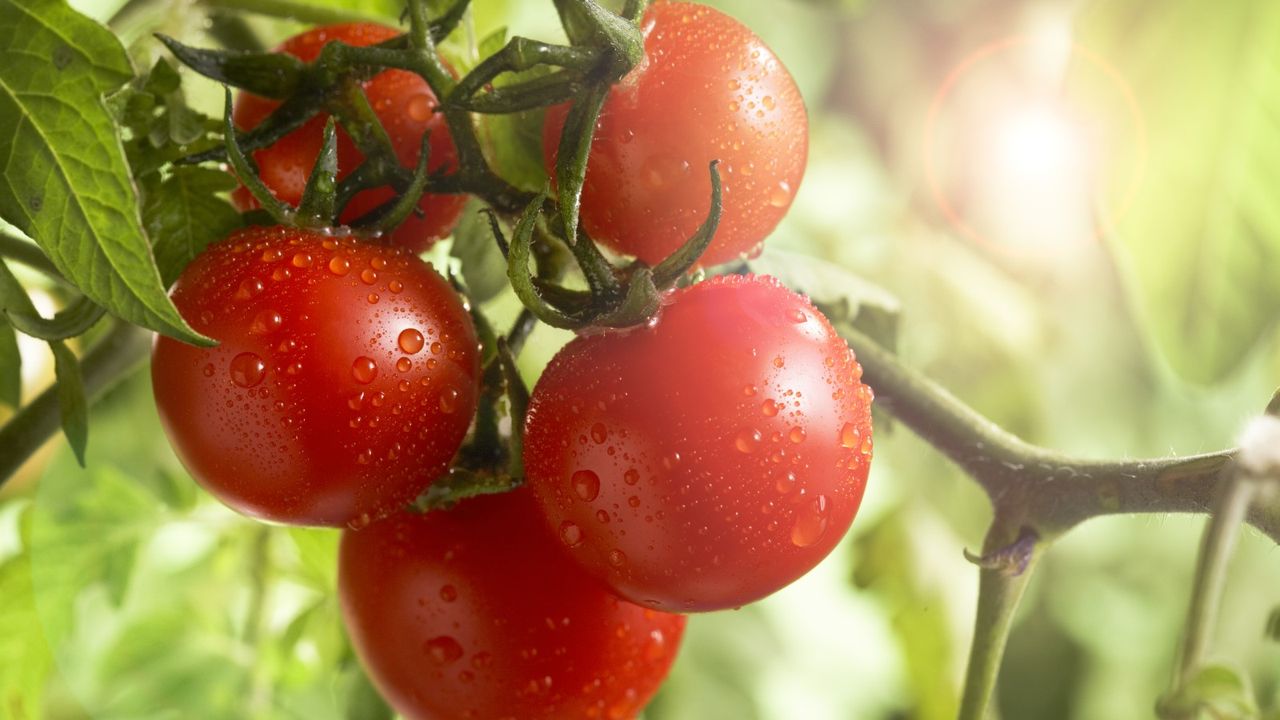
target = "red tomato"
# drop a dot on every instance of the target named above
(476, 613)
(708, 89)
(706, 460)
(344, 383)
(405, 105)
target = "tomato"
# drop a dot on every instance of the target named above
(345, 378)
(405, 105)
(708, 89)
(708, 459)
(477, 613)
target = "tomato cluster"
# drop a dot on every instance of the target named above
(697, 462)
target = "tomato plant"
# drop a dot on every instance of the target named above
(402, 102)
(476, 613)
(344, 381)
(709, 459)
(708, 89)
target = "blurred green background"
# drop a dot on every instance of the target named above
(1071, 204)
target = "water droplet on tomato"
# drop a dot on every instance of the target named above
(267, 321)
(248, 288)
(769, 408)
(364, 370)
(785, 483)
(247, 370)
(209, 370)
(419, 108)
(271, 255)
(395, 286)
(631, 476)
(811, 522)
(443, 650)
(586, 485)
(850, 437)
(448, 593)
(404, 364)
(599, 433)
(748, 441)
(339, 266)
(368, 276)
(449, 401)
(797, 316)
(634, 501)
(797, 434)
(781, 195)
(571, 534)
(617, 558)
(301, 260)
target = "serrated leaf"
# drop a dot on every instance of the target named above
(72, 403)
(1201, 239)
(185, 213)
(10, 366)
(66, 183)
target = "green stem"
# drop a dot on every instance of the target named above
(998, 596)
(1059, 491)
(1216, 548)
(28, 254)
(292, 10)
(118, 353)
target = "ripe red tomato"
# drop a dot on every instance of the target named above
(706, 460)
(345, 378)
(477, 613)
(708, 89)
(405, 105)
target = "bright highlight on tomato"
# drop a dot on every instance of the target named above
(476, 613)
(709, 459)
(708, 89)
(345, 378)
(405, 105)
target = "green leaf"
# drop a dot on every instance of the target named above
(66, 181)
(1220, 690)
(484, 269)
(513, 142)
(10, 366)
(186, 212)
(1201, 239)
(25, 660)
(71, 399)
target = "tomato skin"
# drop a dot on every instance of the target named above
(402, 101)
(312, 410)
(709, 459)
(476, 613)
(708, 89)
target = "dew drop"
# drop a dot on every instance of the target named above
(769, 408)
(571, 534)
(768, 102)
(339, 266)
(586, 485)
(271, 255)
(209, 370)
(781, 195)
(779, 362)
(602, 516)
(811, 522)
(411, 341)
(247, 370)
(404, 364)
(748, 441)
(364, 370)
(448, 593)
(634, 501)
(395, 286)
(419, 108)
(797, 434)
(749, 390)
(617, 558)
(248, 288)
(267, 321)
(849, 436)
(797, 316)
(368, 276)
(631, 476)
(443, 650)
(301, 260)
(373, 298)
(599, 433)
(785, 483)
(449, 401)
